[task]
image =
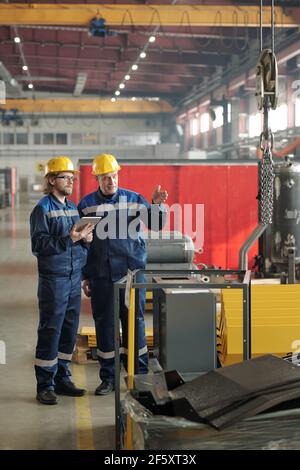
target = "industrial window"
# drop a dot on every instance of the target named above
(279, 118)
(297, 112)
(204, 123)
(90, 139)
(48, 139)
(61, 139)
(76, 139)
(8, 139)
(22, 139)
(194, 126)
(255, 124)
(37, 139)
(219, 121)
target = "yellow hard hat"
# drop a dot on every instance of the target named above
(58, 164)
(105, 163)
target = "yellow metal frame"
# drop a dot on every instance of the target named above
(130, 366)
(58, 105)
(144, 15)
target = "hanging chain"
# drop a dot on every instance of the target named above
(267, 94)
(267, 188)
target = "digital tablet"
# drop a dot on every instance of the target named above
(87, 220)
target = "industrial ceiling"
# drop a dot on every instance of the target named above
(174, 46)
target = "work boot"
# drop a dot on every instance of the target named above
(69, 389)
(105, 388)
(47, 397)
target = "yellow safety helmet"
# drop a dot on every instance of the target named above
(58, 164)
(105, 163)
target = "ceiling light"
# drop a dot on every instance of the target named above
(135, 67)
(13, 82)
(113, 100)
(133, 98)
(30, 85)
(25, 68)
(117, 93)
(121, 86)
(127, 77)
(143, 55)
(17, 39)
(152, 39)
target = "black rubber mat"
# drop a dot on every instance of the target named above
(237, 383)
(221, 408)
(253, 407)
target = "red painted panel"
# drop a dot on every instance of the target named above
(88, 182)
(144, 179)
(75, 196)
(208, 185)
(242, 210)
(228, 194)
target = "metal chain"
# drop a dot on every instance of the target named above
(267, 176)
(267, 173)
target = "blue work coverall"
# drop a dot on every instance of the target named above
(108, 261)
(60, 263)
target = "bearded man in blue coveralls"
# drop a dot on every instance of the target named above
(61, 252)
(114, 250)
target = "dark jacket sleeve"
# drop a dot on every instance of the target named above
(42, 241)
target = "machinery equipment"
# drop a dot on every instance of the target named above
(185, 328)
(280, 245)
(171, 250)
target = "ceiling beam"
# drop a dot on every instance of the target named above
(144, 15)
(40, 67)
(179, 45)
(88, 106)
(197, 59)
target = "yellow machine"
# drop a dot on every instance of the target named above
(275, 320)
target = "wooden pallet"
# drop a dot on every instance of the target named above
(83, 353)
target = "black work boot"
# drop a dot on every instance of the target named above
(46, 397)
(105, 388)
(69, 389)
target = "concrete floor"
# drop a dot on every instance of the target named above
(75, 423)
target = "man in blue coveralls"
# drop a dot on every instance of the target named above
(117, 246)
(61, 253)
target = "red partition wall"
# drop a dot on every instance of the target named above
(227, 192)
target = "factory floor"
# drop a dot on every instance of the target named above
(74, 423)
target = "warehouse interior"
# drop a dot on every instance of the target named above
(202, 99)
